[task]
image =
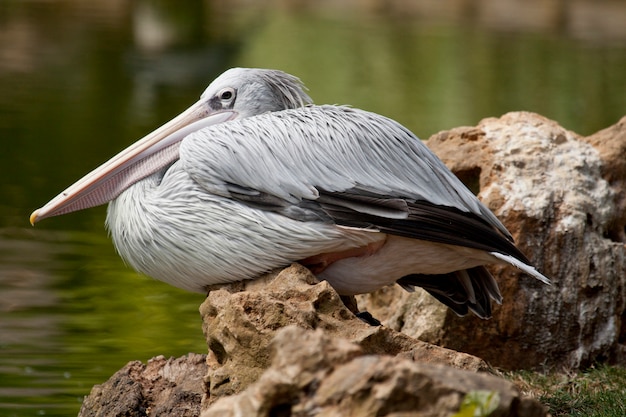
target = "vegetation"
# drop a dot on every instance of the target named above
(478, 404)
(597, 392)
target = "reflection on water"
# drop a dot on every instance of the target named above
(72, 315)
(81, 80)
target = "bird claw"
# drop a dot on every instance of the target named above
(367, 317)
(350, 302)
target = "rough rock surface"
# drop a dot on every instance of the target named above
(240, 320)
(286, 345)
(611, 145)
(315, 374)
(563, 199)
(162, 387)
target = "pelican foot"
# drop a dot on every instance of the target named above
(350, 302)
(367, 317)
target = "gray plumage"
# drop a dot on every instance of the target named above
(351, 194)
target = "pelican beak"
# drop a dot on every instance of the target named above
(143, 158)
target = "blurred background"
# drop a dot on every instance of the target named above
(82, 79)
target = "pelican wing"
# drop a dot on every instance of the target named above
(342, 165)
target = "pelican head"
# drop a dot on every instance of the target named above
(253, 91)
(237, 93)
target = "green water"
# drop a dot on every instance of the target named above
(81, 80)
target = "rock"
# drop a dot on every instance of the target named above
(241, 319)
(162, 387)
(563, 199)
(611, 145)
(313, 373)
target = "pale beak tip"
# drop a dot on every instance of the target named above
(33, 217)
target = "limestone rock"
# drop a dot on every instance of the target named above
(240, 320)
(563, 199)
(162, 387)
(312, 373)
(611, 145)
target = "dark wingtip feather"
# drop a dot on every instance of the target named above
(450, 290)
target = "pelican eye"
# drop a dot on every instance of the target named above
(226, 94)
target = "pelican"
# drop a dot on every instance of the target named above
(253, 177)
